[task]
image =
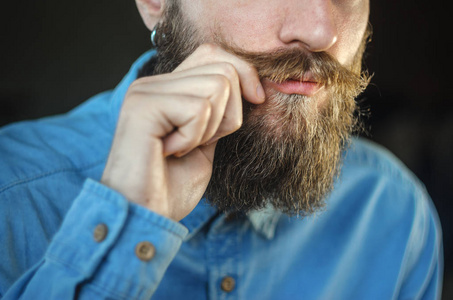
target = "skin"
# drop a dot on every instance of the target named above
(162, 152)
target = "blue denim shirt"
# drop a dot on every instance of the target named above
(378, 238)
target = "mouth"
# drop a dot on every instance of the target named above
(306, 86)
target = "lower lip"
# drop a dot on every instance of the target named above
(306, 88)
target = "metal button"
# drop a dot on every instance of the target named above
(100, 232)
(145, 251)
(228, 284)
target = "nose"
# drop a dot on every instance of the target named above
(310, 23)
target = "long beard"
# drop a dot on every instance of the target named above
(288, 150)
(289, 159)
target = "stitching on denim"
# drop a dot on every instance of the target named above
(62, 262)
(92, 285)
(144, 218)
(169, 230)
(47, 174)
(115, 294)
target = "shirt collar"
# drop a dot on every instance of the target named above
(263, 221)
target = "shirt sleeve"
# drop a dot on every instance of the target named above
(106, 248)
(424, 255)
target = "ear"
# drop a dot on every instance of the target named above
(151, 11)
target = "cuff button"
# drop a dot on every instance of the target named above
(145, 251)
(228, 283)
(100, 232)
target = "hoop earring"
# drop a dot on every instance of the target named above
(153, 37)
(156, 37)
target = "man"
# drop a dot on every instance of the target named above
(248, 106)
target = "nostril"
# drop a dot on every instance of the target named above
(313, 27)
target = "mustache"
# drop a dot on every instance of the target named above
(298, 64)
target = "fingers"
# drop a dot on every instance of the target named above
(180, 130)
(187, 118)
(220, 85)
(191, 127)
(250, 84)
(200, 102)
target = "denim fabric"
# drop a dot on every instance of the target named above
(378, 238)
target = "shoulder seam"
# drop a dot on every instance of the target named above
(393, 168)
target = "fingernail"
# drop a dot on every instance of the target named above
(260, 91)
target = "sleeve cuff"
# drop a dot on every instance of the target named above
(120, 260)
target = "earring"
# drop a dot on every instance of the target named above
(153, 37)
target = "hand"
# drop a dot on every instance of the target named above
(163, 149)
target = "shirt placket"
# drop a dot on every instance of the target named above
(224, 259)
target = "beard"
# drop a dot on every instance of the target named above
(288, 151)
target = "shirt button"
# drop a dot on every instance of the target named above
(100, 232)
(145, 251)
(228, 284)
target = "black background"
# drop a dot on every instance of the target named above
(56, 54)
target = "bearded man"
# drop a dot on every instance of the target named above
(222, 166)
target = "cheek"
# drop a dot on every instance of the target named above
(254, 25)
(351, 25)
(247, 23)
